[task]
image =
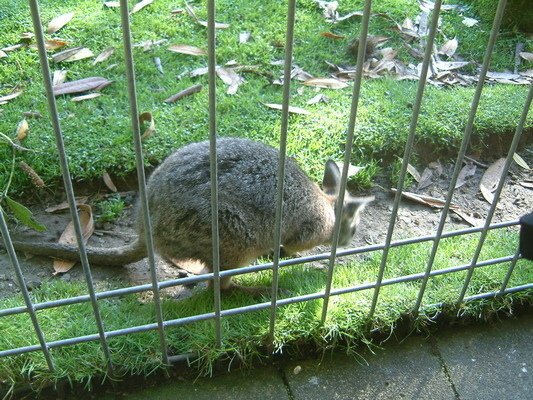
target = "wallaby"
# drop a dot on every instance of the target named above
(179, 196)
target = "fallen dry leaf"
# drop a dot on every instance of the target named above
(349, 15)
(52, 44)
(470, 22)
(331, 35)
(109, 182)
(26, 37)
(158, 65)
(487, 194)
(425, 179)
(82, 85)
(450, 65)
(3, 54)
(230, 78)
(520, 161)
(244, 37)
(22, 129)
(73, 54)
(449, 48)
(59, 77)
(299, 74)
(13, 48)
(150, 130)
(9, 97)
(473, 221)
(198, 72)
(526, 56)
(36, 180)
(140, 5)
(112, 4)
(412, 171)
(68, 236)
(466, 172)
(187, 49)
(292, 109)
(59, 22)
(190, 11)
(85, 97)
(426, 200)
(218, 25)
(184, 93)
(104, 55)
(32, 114)
(492, 175)
(526, 184)
(319, 98)
(64, 205)
(327, 83)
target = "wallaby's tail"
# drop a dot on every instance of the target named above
(115, 256)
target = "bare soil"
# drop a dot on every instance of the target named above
(413, 220)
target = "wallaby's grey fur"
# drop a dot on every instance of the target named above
(179, 196)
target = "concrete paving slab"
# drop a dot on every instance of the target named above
(262, 383)
(409, 370)
(490, 361)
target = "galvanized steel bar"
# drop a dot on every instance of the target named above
(408, 148)
(505, 281)
(262, 306)
(254, 268)
(24, 290)
(347, 152)
(211, 65)
(464, 145)
(497, 193)
(39, 37)
(291, 11)
(136, 132)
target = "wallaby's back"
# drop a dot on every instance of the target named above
(179, 200)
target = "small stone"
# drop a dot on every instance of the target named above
(297, 370)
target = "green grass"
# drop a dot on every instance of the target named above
(245, 335)
(97, 132)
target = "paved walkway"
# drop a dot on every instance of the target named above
(489, 361)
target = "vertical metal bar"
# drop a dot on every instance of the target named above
(408, 150)
(464, 145)
(147, 223)
(24, 290)
(211, 65)
(347, 152)
(39, 37)
(289, 43)
(497, 193)
(509, 272)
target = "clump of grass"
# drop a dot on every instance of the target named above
(109, 209)
(245, 335)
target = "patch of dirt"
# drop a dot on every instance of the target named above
(413, 220)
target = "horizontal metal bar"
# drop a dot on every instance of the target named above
(256, 307)
(253, 268)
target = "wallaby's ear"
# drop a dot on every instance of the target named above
(357, 204)
(332, 178)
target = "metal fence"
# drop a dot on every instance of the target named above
(217, 314)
